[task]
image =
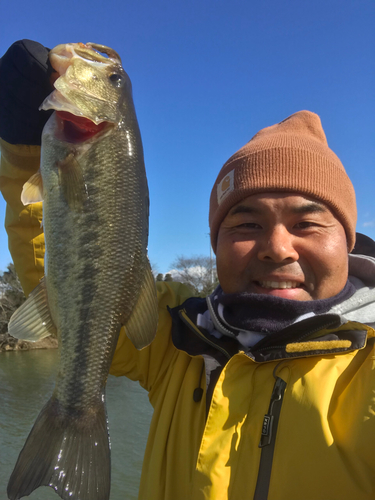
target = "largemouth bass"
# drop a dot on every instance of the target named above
(97, 276)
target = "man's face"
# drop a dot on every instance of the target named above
(282, 244)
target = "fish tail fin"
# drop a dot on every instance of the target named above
(69, 452)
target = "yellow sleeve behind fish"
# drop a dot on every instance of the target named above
(147, 365)
(22, 223)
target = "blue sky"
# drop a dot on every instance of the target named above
(207, 75)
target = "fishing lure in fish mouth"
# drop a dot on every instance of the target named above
(93, 185)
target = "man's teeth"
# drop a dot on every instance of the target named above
(279, 284)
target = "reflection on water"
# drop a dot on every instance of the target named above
(26, 383)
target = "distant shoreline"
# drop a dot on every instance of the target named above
(8, 343)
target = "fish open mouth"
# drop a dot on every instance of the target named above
(79, 128)
(83, 113)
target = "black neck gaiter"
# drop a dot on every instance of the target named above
(268, 314)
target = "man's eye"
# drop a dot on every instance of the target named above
(305, 225)
(250, 225)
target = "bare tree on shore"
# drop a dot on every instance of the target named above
(11, 296)
(198, 272)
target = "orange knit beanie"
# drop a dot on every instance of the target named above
(291, 156)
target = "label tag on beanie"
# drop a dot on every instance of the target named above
(225, 186)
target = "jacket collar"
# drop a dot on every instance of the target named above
(324, 334)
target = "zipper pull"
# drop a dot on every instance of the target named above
(268, 421)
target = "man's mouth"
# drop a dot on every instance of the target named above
(278, 284)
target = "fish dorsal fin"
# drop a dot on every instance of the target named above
(32, 321)
(142, 324)
(32, 191)
(72, 182)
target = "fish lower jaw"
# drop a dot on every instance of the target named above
(279, 284)
(58, 102)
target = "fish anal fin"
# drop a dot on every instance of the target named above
(142, 324)
(32, 321)
(69, 452)
(72, 182)
(32, 190)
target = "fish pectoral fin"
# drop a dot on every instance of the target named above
(32, 321)
(32, 190)
(142, 324)
(72, 182)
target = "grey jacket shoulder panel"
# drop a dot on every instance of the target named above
(360, 306)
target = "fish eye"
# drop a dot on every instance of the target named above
(116, 79)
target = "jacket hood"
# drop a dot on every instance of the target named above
(360, 306)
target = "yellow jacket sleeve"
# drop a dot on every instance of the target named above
(22, 223)
(148, 365)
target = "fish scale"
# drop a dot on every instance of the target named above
(98, 278)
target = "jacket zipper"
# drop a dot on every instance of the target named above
(268, 439)
(270, 421)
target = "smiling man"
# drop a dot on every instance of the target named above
(265, 389)
(282, 245)
(284, 210)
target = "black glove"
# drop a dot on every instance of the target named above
(24, 83)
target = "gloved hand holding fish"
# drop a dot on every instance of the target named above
(97, 276)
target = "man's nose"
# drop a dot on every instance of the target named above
(278, 245)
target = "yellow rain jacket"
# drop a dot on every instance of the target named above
(292, 420)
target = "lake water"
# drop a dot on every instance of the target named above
(26, 383)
